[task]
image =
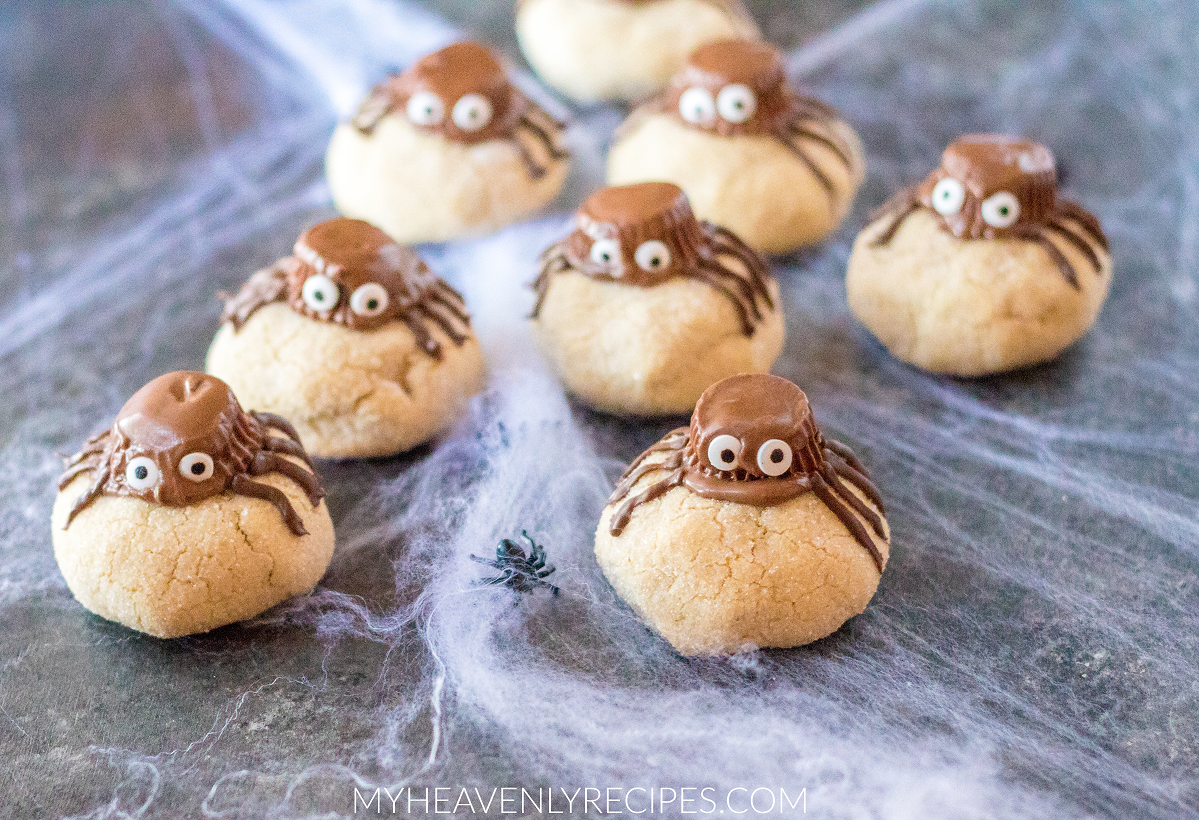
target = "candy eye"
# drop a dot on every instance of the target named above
(723, 452)
(652, 256)
(141, 473)
(472, 112)
(320, 292)
(774, 457)
(948, 196)
(369, 300)
(196, 467)
(605, 252)
(736, 103)
(1001, 210)
(697, 106)
(425, 108)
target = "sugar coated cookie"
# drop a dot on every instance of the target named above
(644, 306)
(982, 267)
(593, 50)
(354, 340)
(190, 513)
(448, 148)
(746, 529)
(778, 168)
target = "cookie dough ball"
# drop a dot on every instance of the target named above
(594, 50)
(1010, 294)
(715, 562)
(777, 168)
(447, 149)
(190, 513)
(643, 307)
(373, 358)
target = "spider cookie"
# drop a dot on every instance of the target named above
(593, 50)
(982, 267)
(778, 168)
(643, 306)
(354, 340)
(448, 148)
(190, 513)
(747, 528)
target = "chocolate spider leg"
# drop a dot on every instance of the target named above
(745, 286)
(277, 444)
(261, 289)
(846, 516)
(424, 339)
(433, 311)
(635, 474)
(267, 462)
(88, 497)
(620, 518)
(1077, 241)
(377, 105)
(545, 138)
(1036, 235)
(673, 442)
(857, 479)
(900, 206)
(243, 485)
(829, 475)
(717, 282)
(729, 243)
(845, 453)
(834, 145)
(535, 169)
(452, 299)
(1086, 219)
(77, 470)
(278, 422)
(811, 165)
(554, 262)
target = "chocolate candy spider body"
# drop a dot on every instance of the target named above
(462, 94)
(995, 187)
(184, 438)
(753, 440)
(646, 234)
(348, 272)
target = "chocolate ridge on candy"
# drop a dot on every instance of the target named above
(753, 440)
(463, 94)
(184, 437)
(991, 186)
(739, 87)
(348, 272)
(646, 234)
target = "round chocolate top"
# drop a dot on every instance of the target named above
(352, 273)
(745, 422)
(986, 165)
(460, 92)
(754, 63)
(177, 410)
(735, 87)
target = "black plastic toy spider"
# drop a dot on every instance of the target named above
(520, 572)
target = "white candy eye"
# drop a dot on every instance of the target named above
(1001, 210)
(196, 467)
(723, 452)
(472, 112)
(370, 299)
(425, 108)
(141, 473)
(948, 196)
(605, 252)
(697, 106)
(652, 256)
(320, 293)
(736, 103)
(774, 457)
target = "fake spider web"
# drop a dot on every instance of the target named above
(1032, 650)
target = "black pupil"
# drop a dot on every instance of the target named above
(372, 304)
(655, 262)
(140, 472)
(776, 456)
(607, 257)
(1003, 210)
(198, 468)
(318, 295)
(727, 456)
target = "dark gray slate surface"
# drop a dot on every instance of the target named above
(1033, 647)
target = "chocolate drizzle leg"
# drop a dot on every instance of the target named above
(995, 187)
(184, 438)
(646, 234)
(753, 440)
(363, 279)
